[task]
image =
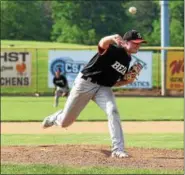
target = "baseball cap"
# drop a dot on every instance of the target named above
(58, 70)
(134, 36)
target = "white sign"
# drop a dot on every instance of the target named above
(15, 68)
(144, 80)
(70, 62)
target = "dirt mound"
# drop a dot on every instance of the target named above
(93, 155)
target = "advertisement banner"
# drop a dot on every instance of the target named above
(144, 80)
(175, 70)
(15, 68)
(73, 61)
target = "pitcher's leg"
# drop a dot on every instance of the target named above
(81, 93)
(105, 99)
(74, 105)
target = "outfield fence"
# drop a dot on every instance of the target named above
(14, 80)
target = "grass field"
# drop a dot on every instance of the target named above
(40, 44)
(40, 64)
(167, 141)
(48, 169)
(131, 109)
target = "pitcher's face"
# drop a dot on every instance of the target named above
(57, 74)
(132, 47)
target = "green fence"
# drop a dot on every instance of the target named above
(39, 79)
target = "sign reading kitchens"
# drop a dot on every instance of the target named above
(175, 70)
(15, 68)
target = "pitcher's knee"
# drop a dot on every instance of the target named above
(113, 112)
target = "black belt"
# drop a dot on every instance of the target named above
(89, 79)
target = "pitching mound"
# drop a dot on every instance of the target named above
(92, 155)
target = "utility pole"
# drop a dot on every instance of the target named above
(164, 42)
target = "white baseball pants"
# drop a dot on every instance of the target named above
(82, 92)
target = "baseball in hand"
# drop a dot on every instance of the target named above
(132, 10)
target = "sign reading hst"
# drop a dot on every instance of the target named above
(15, 68)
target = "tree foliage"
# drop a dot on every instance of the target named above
(147, 12)
(86, 21)
(24, 20)
(177, 23)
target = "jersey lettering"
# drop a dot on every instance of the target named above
(119, 67)
(60, 81)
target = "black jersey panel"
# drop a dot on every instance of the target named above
(108, 68)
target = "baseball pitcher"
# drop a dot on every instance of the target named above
(109, 67)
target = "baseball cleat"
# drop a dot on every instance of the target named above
(120, 154)
(47, 122)
(50, 120)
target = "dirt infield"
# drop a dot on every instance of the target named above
(93, 127)
(93, 155)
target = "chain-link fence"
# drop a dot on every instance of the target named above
(39, 73)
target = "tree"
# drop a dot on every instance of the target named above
(176, 23)
(24, 20)
(86, 22)
(145, 20)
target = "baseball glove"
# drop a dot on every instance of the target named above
(133, 72)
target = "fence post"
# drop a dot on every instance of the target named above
(164, 43)
(37, 71)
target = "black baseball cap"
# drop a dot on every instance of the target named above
(59, 70)
(134, 36)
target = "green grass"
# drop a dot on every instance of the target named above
(48, 169)
(167, 141)
(131, 109)
(40, 64)
(40, 44)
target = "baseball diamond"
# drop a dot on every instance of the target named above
(92, 87)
